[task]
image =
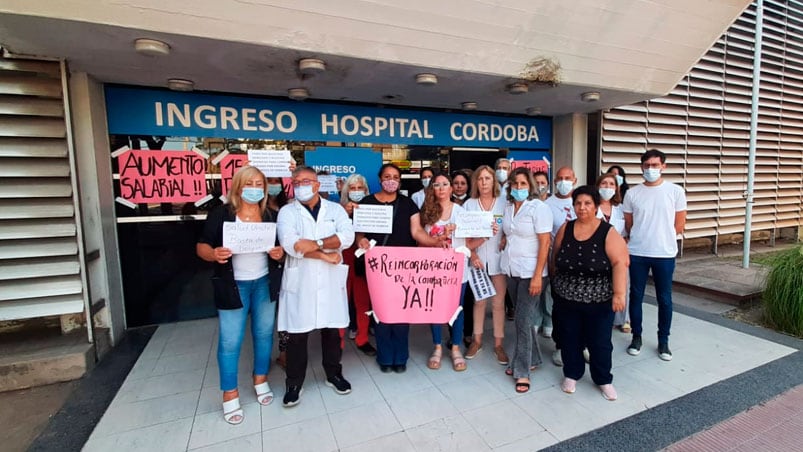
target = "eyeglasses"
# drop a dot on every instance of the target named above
(440, 185)
(303, 182)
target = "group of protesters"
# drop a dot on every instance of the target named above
(571, 266)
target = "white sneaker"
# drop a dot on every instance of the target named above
(546, 332)
(557, 359)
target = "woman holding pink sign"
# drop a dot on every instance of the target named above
(241, 287)
(439, 217)
(486, 254)
(392, 339)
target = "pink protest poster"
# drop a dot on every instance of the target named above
(414, 285)
(532, 165)
(228, 166)
(162, 176)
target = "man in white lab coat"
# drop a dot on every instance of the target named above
(313, 231)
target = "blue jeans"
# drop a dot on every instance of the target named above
(662, 270)
(255, 296)
(456, 330)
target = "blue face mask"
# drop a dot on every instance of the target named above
(304, 193)
(519, 194)
(356, 195)
(252, 195)
(619, 180)
(274, 189)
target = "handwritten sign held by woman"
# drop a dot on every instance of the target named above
(414, 285)
(244, 237)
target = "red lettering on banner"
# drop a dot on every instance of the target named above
(162, 176)
(228, 166)
(532, 165)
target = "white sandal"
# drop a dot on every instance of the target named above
(264, 394)
(232, 412)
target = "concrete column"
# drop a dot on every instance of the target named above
(93, 165)
(570, 141)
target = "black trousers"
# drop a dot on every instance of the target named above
(297, 355)
(583, 325)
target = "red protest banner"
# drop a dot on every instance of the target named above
(414, 285)
(228, 166)
(162, 176)
(532, 165)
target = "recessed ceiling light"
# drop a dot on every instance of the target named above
(180, 84)
(518, 88)
(591, 96)
(426, 79)
(311, 66)
(298, 93)
(469, 105)
(151, 47)
(533, 111)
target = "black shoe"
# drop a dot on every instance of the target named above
(291, 397)
(663, 352)
(635, 346)
(339, 383)
(400, 369)
(386, 369)
(367, 348)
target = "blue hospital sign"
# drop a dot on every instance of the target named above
(146, 111)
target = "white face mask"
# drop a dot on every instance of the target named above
(303, 193)
(425, 181)
(619, 180)
(607, 193)
(652, 174)
(564, 187)
(501, 175)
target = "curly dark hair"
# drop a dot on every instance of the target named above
(431, 210)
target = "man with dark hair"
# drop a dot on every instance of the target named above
(313, 232)
(655, 214)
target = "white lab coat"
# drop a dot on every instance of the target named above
(313, 293)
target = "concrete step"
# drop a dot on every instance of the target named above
(721, 280)
(37, 358)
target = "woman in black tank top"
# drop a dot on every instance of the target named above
(589, 268)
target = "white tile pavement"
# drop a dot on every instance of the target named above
(170, 400)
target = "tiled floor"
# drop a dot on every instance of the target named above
(170, 400)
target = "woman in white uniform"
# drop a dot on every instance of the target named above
(486, 254)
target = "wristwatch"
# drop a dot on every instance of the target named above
(320, 243)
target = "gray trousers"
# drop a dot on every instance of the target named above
(527, 352)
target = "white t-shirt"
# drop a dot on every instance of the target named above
(249, 266)
(562, 211)
(489, 251)
(418, 198)
(653, 208)
(457, 242)
(617, 220)
(520, 256)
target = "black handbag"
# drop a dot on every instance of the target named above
(227, 295)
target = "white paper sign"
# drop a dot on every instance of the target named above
(375, 219)
(247, 237)
(481, 284)
(474, 224)
(328, 183)
(272, 163)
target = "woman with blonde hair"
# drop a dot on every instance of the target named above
(486, 254)
(241, 286)
(354, 189)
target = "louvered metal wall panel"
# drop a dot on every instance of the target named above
(39, 249)
(703, 127)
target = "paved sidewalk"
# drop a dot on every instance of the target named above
(776, 425)
(170, 399)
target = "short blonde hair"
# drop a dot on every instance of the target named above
(243, 175)
(475, 191)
